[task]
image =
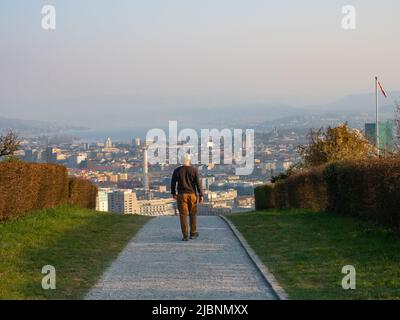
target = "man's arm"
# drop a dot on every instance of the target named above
(173, 184)
(198, 185)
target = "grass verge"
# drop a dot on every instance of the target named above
(306, 252)
(79, 243)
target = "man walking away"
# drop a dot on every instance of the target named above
(186, 180)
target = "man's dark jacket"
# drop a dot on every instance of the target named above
(188, 180)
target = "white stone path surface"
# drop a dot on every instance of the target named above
(157, 265)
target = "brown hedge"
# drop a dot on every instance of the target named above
(264, 198)
(304, 190)
(82, 193)
(27, 186)
(367, 189)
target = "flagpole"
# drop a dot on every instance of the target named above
(377, 116)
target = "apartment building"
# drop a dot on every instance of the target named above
(157, 207)
(123, 201)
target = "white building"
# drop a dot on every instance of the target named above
(157, 207)
(108, 143)
(82, 156)
(220, 196)
(126, 202)
(102, 200)
(75, 160)
(123, 201)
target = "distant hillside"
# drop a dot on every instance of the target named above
(241, 115)
(142, 113)
(356, 110)
(22, 124)
(34, 126)
(122, 112)
(359, 103)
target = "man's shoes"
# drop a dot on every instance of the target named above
(185, 239)
(194, 236)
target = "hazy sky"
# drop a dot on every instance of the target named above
(225, 51)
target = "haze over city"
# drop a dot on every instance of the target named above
(119, 64)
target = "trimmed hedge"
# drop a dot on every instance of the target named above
(28, 186)
(264, 198)
(366, 189)
(369, 190)
(305, 190)
(82, 193)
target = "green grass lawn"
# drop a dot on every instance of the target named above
(306, 252)
(79, 243)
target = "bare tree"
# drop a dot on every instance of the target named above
(9, 143)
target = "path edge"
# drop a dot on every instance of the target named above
(132, 239)
(266, 274)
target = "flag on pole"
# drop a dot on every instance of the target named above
(382, 90)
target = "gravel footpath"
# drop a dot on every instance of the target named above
(157, 265)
